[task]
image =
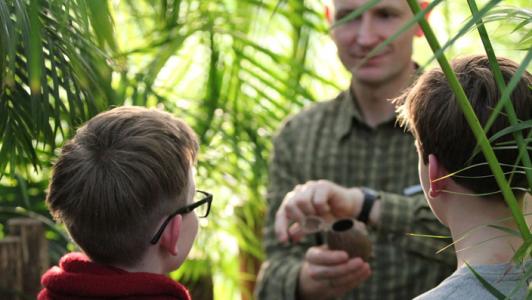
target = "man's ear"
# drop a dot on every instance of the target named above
(328, 11)
(423, 4)
(171, 235)
(436, 172)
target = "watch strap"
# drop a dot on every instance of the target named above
(369, 199)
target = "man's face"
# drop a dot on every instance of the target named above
(358, 37)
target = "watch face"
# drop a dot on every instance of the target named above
(370, 192)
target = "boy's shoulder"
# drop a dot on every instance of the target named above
(77, 277)
(463, 284)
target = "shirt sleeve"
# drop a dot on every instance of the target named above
(411, 217)
(279, 273)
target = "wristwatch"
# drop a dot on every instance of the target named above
(369, 199)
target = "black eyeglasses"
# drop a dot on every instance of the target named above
(202, 212)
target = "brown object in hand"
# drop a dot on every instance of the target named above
(351, 237)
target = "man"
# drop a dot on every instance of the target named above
(354, 141)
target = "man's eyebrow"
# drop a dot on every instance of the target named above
(344, 10)
(377, 8)
(387, 8)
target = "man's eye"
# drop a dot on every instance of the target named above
(341, 16)
(384, 14)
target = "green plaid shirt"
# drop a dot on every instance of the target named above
(331, 141)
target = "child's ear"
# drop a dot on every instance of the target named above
(436, 172)
(171, 235)
(423, 4)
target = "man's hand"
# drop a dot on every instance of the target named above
(315, 198)
(327, 274)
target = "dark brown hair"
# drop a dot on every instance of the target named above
(433, 114)
(123, 171)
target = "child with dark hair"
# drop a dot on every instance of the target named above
(124, 188)
(463, 194)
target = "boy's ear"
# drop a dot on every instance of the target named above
(436, 172)
(171, 235)
(423, 4)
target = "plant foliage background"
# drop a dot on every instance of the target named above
(233, 69)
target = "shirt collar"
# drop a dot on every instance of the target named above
(349, 112)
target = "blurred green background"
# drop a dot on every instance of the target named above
(233, 69)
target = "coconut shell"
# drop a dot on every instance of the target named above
(350, 236)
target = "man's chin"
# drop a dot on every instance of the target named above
(370, 76)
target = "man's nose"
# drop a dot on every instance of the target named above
(367, 35)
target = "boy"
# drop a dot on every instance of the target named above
(124, 188)
(465, 202)
(470, 199)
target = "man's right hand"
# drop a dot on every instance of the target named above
(320, 198)
(327, 274)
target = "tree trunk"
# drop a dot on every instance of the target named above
(10, 268)
(34, 252)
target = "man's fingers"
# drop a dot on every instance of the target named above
(295, 232)
(321, 198)
(303, 200)
(286, 214)
(355, 278)
(324, 256)
(281, 225)
(293, 213)
(310, 199)
(353, 268)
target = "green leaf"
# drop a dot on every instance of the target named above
(407, 26)
(506, 94)
(521, 126)
(490, 288)
(35, 49)
(512, 142)
(506, 229)
(102, 23)
(508, 106)
(467, 27)
(447, 237)
(524, 252)
(474, 124)
(509, 88)
(356, 13)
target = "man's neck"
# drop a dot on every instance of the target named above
(374, 99)
(476, 242)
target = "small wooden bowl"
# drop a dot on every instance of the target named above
(350, 236)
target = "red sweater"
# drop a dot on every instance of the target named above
(79, 278)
